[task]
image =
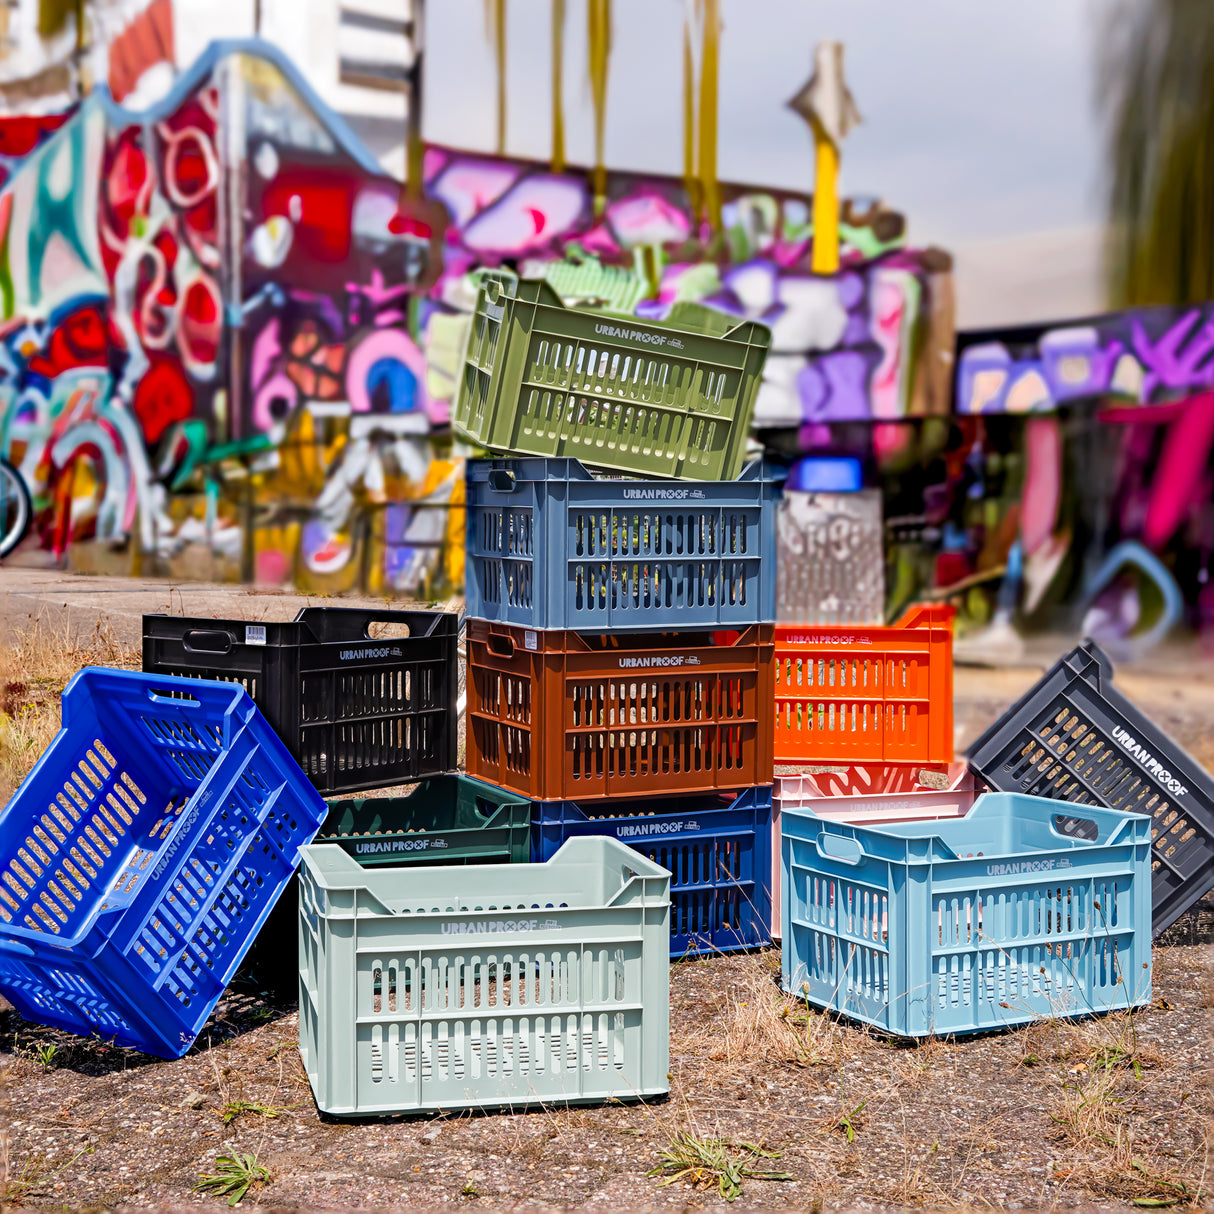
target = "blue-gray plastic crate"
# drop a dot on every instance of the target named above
(551, 546)
(995, 919)
(486, 986)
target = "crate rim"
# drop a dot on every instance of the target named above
(334, 869)
(987, 805)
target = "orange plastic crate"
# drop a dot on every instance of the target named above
(561, 715)
(851, 694)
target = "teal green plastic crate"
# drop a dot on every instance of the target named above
(670, 398)
(451, 819)
(487, 986)
(948, 927)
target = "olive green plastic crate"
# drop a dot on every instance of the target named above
(487, 986)
(647, 398)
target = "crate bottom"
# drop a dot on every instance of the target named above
(437, 1106)
(731, 933)
(1015, 991)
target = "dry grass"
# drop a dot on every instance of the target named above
(754, 1021)
(1116, 1140)
(34, 668)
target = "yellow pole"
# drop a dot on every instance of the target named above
(598, 22)
(495, 15)
(558, 87)
(690, 180)
(709, 64)
(826, 203)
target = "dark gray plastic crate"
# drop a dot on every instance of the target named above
(1075, 738)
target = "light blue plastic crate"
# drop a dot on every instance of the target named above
(484, 986)
(717, 848)
(551, 546)
(995, 919)
(142, 854)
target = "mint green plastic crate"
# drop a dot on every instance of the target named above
(646, 398)
(486, 986)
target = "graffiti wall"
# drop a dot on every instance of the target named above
(872, 342)
(205, 356)
(1143, 355)
(226, 352)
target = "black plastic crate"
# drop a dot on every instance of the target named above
(356, 712)
(1075, 738)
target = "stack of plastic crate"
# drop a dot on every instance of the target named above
(619, 633)
(862, 711)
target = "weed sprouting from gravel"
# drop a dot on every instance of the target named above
(233, 1176)
(723, 1162)
(753, 1020)
(234, 1108)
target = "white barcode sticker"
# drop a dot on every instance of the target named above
(254, 634)
(531, 639)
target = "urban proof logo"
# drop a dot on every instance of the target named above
(811, 639)
(384, 651)
(658, 828)
(183, 831)
(491, 927)
(397, 846)
(654, 660)
(664, 495)
(1149, 761)
(1025, 866)
(649, 339)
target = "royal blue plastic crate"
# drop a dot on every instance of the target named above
(142, 854)
(717, 848)
(995, 919)
(551, 546)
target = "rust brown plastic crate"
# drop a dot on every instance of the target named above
(560, 715)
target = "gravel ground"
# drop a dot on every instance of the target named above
(989, 1120)
(1096, 1114)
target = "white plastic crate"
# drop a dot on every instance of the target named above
(485, 986)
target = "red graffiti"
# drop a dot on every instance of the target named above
(320, 205)
(164, 396)
(79, 341)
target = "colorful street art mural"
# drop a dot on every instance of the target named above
(871, 342)
(224, 352)
(228, 349)
(204, 347)
(1144, 356)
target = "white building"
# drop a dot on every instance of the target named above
(358, 54)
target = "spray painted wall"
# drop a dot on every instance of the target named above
(217, 360)
(203, 335)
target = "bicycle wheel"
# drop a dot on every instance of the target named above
(16, 512)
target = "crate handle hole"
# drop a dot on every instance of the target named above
(838, 847)
(179, 699)
(388, 630)
(502, 646)
(208, 640)
(1076, 828)
(501, 480)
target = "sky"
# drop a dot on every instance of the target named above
(980, 119)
